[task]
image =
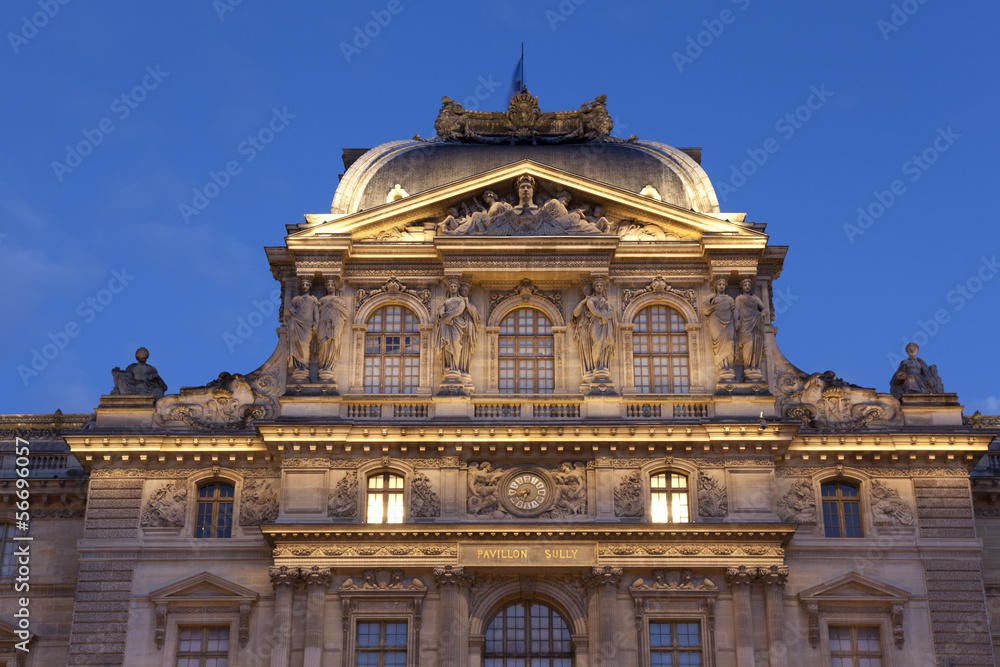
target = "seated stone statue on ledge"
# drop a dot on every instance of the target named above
(139, 379)
(914, 376)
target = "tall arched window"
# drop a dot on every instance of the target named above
(669, 498)
(841, 510)
(392, 352)
(527, 633)
(660, 351)
(385, 498)
(526, 353)
(215, 510)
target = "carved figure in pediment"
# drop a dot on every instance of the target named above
(138, 379)
(749, 326)
(483, 481)
(302, 319)
(333, 318)
(456, 332)
(595, 329)
(719, 312)
(914, 376)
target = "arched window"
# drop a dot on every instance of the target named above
(527, 633)
(526, 353)
(215, 510)
(841, 511)
(385, 498)
(392, 352)
(669, 501)
(660, 351)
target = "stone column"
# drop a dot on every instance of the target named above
(317, 580)
(740, 580)
(773, 580)
(453, 638)
(606, 581)
(284, 580)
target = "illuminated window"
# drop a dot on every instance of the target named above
(392, 352)
(660, 352)
(8, 561)
(526, 360)
(852, 646)
(215, 510)
(381, 644)
(669, 502)
(527, 633)
(385, 498)
(203, 647)
(841, 511)
(674, 644)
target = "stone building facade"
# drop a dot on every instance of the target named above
(526, 407)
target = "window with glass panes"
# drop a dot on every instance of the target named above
(526, 360)
(852, 646)
(8, 561)
(381, 644)
(674, 644)
(669, 502)
(385, 498)
(203, 647)
(392, 352)
(660, 352)
(527, 633)
(215, 510)
(841, 510)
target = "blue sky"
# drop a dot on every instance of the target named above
(97, 256)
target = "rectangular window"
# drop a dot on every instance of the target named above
(675, 644)
(852, 646)
(203, 647)
(8, 564)
(381, 644)
(669, 498)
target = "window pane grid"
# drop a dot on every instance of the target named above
(527, 633)
(392, 352)
(203, 647)
(385, 498)
(669, 498)
(659, 352)
(675, 643)
(215, 511)
(8, 561)
(526, 351)
(841, 511)
(381, 644)
(852, 646)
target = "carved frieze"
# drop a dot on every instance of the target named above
(383, 580)
(167, 506)
(423, 501)
(391, 287)
(673, 580)
(343, 501)
(658, 286)
(629, 495)
(258, 503)
(712, 500)
(799, 504)
(888, 508)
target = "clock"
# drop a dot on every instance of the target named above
(526, 492)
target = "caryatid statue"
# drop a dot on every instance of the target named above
(719, 311)
(914, 376)
(456, 331)
(333, 318)
(139, 379)
(749, 324)
(596, 327)
(303, 318)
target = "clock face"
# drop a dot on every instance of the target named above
(526, 493)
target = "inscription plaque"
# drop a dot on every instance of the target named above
(507, 554)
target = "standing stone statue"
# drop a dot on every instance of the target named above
(749, 325)
(456, 332)
(139, 379)
(333, 316)
(914, 376)
(594, 318)
(303, 317)
(719, 310)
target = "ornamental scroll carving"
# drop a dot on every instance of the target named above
(629, 495)
(525, 290)
(712, 500)
(799, 504)
(343, 501)
(889, 509)
(391, 287)
(570, 492)
(166, 507)
(658, 286)
(230, 402)
(423, 501)
(258, 503)
(823, 400)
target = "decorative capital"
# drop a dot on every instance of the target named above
(284, 576)
(776, 576)
(316, 576)
(740, 577)
(453, 575)
(603, 576)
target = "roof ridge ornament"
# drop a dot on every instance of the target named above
(525, 122)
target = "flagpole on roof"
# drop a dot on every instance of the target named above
(522, 64)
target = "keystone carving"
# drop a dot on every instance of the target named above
(391, 287)
(453, 575)
(658, 286)
(167, 506)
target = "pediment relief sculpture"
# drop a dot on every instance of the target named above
(823, 400)
(674, 580)
(230, 402)
(383, 580)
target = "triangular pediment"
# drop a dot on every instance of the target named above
(855, 588)
(601, 209)
(201, 587)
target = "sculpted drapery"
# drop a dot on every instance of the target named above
(303, 316)
(719, 311)
(457, 330)
(333, 318)
(749, 324)
(595, 326)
